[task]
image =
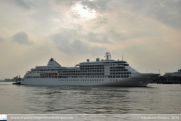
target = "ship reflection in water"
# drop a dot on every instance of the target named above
(162, 99)
(83, 99)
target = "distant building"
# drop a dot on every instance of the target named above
(11, 80)
(173, 73)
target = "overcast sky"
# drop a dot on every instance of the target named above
(146, 32)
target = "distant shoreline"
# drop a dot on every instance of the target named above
(7, 81)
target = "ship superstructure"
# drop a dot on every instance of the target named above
(106, 72)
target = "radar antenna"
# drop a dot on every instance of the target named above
(108, 55)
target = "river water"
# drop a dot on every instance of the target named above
(153, 99)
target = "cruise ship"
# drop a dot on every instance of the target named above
(105, 72)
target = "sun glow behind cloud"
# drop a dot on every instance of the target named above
(83, 11)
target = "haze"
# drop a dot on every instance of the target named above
(146, 32)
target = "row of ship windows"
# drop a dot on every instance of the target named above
(53, 69)
(50, 70)
(103, 65)
(127, 76)
(121, 73)
(86, 79)
(123, 70)
(95, 70)
(81, 67)
(117, 67)
(61, 77)
(90, 70)
(81, 80)
(81, 71)
(92, 74)
(103, 68)
(92, 66)
(99, 68)
(119, 70)
(85, 73)
(112, 66)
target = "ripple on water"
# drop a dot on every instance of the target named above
(90, 100)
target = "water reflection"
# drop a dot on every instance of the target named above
(80, 99)
(90, 100)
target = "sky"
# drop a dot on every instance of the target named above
(147, 33)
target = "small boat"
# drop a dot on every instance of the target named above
(18, 81)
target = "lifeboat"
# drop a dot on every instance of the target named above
(53, 74)
(44, 74)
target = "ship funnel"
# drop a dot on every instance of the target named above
(52, 62)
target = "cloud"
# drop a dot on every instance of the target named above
(90, 4)
(66, 41)
(80, 47)
(98, 5)
(23, 3)
(21, 38)
(66, 3)
(168, 12)
(63, 37)
(1, 39)
(95, 37)
(146, 30)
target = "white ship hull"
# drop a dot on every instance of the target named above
(96, 73)
(138, 80)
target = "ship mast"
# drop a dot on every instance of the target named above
(108, 55)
